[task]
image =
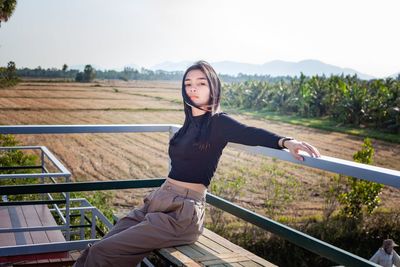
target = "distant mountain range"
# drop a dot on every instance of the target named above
(274, 68)
(81, 67)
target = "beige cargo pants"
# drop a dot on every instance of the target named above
(171, 215)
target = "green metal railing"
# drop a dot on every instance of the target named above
(371, 173)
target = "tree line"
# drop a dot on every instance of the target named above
(347, 99)
(89, 73)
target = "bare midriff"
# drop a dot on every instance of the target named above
(193, 186)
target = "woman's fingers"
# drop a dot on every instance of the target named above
(312, 151)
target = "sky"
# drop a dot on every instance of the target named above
(363, 35)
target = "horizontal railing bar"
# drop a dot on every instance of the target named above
(55, 161)
(74, 129)
(31, 229)
(19, 147)
(32, 175)
(79, 186)
(31, 202)
(20, 167)
(335, 165)
(76, 208)
(358, 170)
(45, 247)
(305, 241)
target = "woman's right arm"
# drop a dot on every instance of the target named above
(233, 131)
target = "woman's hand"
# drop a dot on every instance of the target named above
(295, 146)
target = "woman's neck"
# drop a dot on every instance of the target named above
(197, 112)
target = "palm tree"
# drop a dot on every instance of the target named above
(7, 7)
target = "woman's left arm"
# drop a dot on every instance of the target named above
(294, 146)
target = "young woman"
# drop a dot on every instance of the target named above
(174, 213)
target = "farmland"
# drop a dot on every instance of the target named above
(104, 157)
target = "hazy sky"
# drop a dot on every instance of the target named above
(364, 35)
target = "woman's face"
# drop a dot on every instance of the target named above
(389, 249)
(197, 87)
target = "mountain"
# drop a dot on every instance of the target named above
(172, 66)
(274, 68)
(81, 67)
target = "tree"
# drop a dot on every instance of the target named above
(11, 71)
(8, 76)
(64, 67)
(88, 74)
(7, 8)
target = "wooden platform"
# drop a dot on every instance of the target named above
(26, 216)
(211, 250)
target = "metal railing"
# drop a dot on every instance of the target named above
(61, 173)
(358, 170)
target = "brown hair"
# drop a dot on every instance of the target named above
(212, 108)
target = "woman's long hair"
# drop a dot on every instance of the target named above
(212, 108)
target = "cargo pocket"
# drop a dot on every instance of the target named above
(188, 214)
(198, 217)
(147, 199)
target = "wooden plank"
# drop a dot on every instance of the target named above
(211, 244)
(33, 220)
(36, 216)
(222, 241)
(233, 264)
(203, 249)
(47, 219)
(249, 264)
(189, 251)
(220, 256)
(227, 260)
(28, 237)
(226, 243)
(213, 250)
(261, 261)
(6, 239)
(177, 257)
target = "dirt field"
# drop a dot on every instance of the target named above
(135, 156)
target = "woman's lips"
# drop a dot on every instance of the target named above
(194, 97)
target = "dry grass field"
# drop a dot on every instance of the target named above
(135, 156)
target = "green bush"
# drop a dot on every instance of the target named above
(15, 158)
(361, 195)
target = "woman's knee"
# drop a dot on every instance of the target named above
(99, 249)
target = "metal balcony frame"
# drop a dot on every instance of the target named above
(367, 172)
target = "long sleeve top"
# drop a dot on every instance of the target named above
(190, 164)
(386, 260)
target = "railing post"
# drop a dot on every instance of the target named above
(82, 221)
(43, 169)
(67, 215)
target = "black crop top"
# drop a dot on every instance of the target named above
(190, 164)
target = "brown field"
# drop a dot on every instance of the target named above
(135, 156)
